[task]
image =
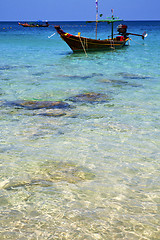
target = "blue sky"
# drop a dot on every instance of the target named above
(77, 10)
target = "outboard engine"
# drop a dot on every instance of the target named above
(122, 29)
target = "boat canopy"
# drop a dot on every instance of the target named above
(108, 20)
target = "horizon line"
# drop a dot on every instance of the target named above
(74, 20)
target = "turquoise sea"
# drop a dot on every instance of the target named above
(91, 169)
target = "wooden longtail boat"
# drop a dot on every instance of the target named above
(35, 24)
(78, 43)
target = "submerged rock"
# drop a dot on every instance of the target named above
(52, 113)
(15, 183)
(82, 76)
(118, 83)
(10, 67)
(49, 173)
(113, 81)
(38, 74)
(90, 97)
(69, 172)
(132, 75)
(38, 104)
(55, 113)
(7, 67)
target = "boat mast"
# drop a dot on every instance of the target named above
(112, 23)
(96, 16)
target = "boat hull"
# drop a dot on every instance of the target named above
(79, 44)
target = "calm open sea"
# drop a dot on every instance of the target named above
(91, 170)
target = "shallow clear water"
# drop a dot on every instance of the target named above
(90, 171)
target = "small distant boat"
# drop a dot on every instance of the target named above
(35, 24)
(78, 43)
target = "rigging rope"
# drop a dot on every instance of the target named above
(83, 46)
(136, 42)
